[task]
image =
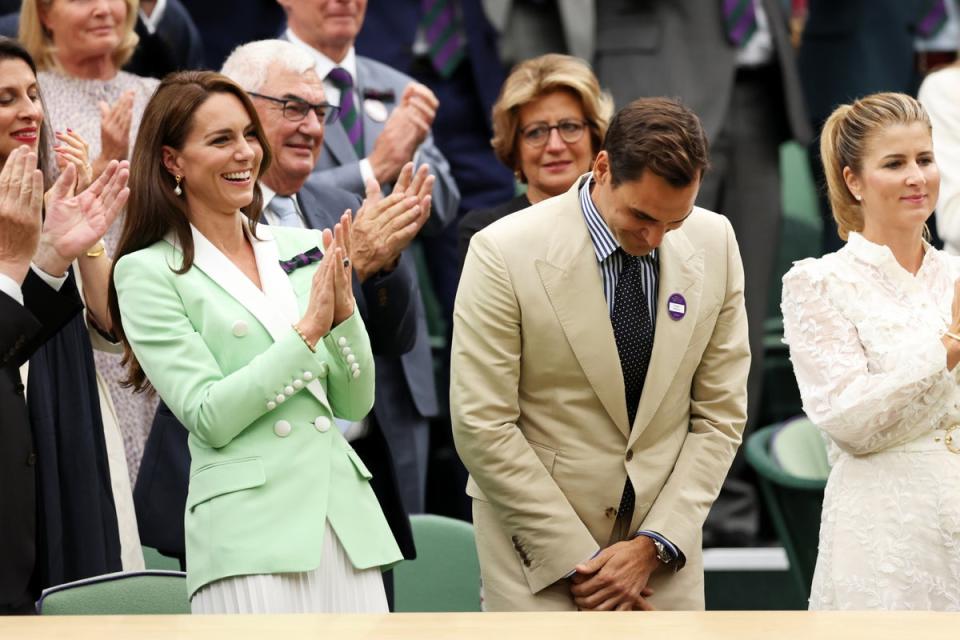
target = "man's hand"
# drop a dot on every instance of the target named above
(616, 579)
(21, 198)
(405, 130)
(74, 223)
(384, 227)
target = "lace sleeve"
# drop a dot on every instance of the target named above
(863, 404)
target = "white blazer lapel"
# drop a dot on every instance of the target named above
(276, 285)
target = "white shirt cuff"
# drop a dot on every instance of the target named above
(152, 21)
(366, 172)
(10, 287)
(53, 282)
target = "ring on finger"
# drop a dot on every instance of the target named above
(346, 263)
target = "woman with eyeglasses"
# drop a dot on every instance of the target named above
(548, 124)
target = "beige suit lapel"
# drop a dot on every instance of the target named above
(681, 271)
(571, 277)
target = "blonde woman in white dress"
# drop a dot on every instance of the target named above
(874, 335)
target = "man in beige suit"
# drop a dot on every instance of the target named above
(598, 393)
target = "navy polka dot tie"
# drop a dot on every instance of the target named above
(633, 331)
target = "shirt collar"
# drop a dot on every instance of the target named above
(880, 255)
(605, 243)
(325, 65)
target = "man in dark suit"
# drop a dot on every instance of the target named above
(733, 64)
(225, 26)
(37, 297)
(385, 122)
(289, 98)
(169, 40)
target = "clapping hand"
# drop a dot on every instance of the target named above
(71, 148)
(74, 223)
(331, 293)
(384, 226)
(21, 199)
(115, 130)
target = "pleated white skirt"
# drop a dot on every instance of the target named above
(333, 587)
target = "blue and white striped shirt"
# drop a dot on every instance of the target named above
(611, 261)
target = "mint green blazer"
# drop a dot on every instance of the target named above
(268, 464)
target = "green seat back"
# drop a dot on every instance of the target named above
(446, 573)
(153, 559)
(143, 592)
(794, 504)
(799, 450)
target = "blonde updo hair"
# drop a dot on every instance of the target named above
(843, 143)
(533, 79)
(38, 41)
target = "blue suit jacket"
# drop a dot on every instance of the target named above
(339, 166)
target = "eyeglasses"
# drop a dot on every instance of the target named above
(536, 134)
(295, 109)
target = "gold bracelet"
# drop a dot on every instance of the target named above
(952, 335)
(303, 336)
(97, 251)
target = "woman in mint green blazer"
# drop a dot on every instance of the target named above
(253, 341)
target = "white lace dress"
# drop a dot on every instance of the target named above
(864, 338)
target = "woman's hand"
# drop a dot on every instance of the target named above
(344, 302)
(71, 148)
(21, 198)
(114, 131)
(952, 344)
(318, 318)
(74, 223)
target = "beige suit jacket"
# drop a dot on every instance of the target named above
(538, 409)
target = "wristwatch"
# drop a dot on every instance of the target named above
(663, 554)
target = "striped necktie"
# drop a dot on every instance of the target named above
(740, 20)
(444, 34)
(932, 18)
(349, 115)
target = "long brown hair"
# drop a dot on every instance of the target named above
(154, 209)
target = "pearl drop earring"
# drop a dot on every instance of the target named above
(177, 190)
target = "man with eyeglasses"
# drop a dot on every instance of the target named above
(385, 122)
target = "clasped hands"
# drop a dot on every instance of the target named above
(616, 578)
(331, 290)
(74, 222)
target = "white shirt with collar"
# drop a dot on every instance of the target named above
(324, 66)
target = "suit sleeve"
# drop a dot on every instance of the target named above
(484, 406)
(446, 195)
(718, 413)
(44, 312)
(214, 406)
(391, 315)
(346, 176)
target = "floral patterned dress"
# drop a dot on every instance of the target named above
(865, 341)
(73, 103)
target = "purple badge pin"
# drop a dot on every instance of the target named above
(676, 306)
